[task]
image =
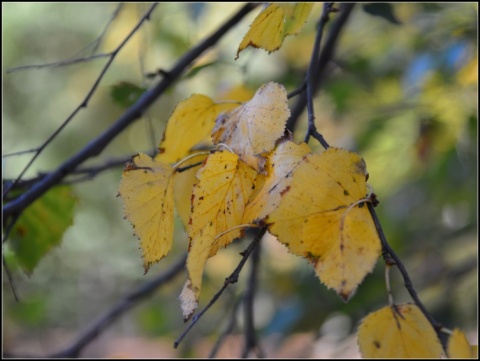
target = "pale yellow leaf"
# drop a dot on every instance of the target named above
(320, 218)
(273, 24)
(280, 164)
(252, 129)
(190, 123)
(459, 347)
(219, 197)
(400, 331)
(147, 193)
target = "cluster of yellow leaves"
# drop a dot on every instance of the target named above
(313, 203)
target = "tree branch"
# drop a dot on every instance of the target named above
(325, 57)
(85, 101)
(134, 112)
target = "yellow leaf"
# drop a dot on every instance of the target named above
(399, 331)
(218, 203)
(183, 187)
(280, 164)
(320, 218)
(459, 347)
(274, 24)
(147, 193)
(190, 123)
(253, 128)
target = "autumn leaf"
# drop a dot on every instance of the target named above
(218, 203)
(41, 226)
(146, 189)
(280, 164)
(252, 129)
(274, 24)
(399, 331)
(190, 123)
(459, 347)
(320, 218)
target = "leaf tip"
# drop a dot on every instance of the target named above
(188, 301)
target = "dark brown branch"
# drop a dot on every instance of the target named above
(233, 278)
(325, 57)
(390, 255)
(134, 112)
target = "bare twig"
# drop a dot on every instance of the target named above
(325, 57)
(312, 70)
(10, 279)
(94, 147)
(233, 278)
(85, 101)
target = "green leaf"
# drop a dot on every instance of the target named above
(41, 227)
(383, 10)
(126, 94)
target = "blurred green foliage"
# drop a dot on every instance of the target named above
(404, 96)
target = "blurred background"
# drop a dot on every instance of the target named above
(401, 91)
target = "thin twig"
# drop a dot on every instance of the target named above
(90, 93)
(10, 279)
(58, 64)
(251, 342)
(312, 70)
(391, 255)
(95, 146)
(233, 278)
(325, 57)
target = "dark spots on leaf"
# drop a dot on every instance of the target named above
(211, 223)
(345, 192)
(342, 247)
(253, 186)
(225, 166)
(376, 344)
(201, 198)
(285, 191)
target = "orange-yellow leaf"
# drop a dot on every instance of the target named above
(273, 24)
(280, 164)
(147, 193)
(183, 187)
(253, 128)
(190, 123)
(218, 203)
(400, 331)
(459, 347)
(318, 218)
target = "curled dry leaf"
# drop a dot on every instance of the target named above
(252, 129)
